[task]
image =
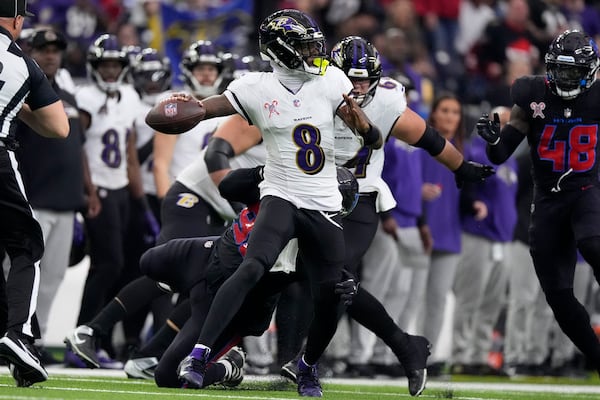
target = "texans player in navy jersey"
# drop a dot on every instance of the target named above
(558, 115)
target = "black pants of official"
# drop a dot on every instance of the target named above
(22, 238)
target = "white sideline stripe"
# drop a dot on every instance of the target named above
(208, 394)
(82, 374)
(13, 397)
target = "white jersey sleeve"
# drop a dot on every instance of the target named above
(106, 138)
(298, 132)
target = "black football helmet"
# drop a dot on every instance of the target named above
(131, 52)
(201, 52)
(571, 64)
(348, 186)
(151, 73)
(234, 65)
(106, 47)
(359, 59)
(289, 38)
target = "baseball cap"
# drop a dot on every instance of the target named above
(12, 8)
(42, 37)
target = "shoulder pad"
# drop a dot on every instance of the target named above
(389, 83)
(528, 88)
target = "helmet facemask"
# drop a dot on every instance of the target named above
(106, 48)
(569, 80)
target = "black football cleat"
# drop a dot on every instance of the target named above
(290, 370)
(82, 342)
(23, 362)
(233, 361)
(414, 361)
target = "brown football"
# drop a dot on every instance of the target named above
(175, 116)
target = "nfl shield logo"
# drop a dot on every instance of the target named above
(170, 109)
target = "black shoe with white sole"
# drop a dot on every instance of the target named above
(24, 365)
(141, 368)
(82, 342)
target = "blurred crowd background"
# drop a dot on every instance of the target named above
(473, 48)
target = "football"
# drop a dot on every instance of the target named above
(174, 115)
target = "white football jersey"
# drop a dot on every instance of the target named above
(388, 104)
(298, 132)
(196, 177)
(144, 134)
(106, 138)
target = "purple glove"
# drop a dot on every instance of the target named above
(78, 231)
(151, 227)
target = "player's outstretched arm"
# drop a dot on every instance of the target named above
(214, 106)
(412, 129)
(503, 142)
(181, 111)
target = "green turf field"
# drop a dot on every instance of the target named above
(82, 386)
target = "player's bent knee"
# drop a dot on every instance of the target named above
(251, 271)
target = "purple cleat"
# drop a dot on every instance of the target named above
(192, 369)
(308, 380)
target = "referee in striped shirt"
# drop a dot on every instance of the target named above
(25, 93)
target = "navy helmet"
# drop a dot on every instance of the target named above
(571, 64)
(359, 59)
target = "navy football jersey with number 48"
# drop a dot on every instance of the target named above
(564, 134)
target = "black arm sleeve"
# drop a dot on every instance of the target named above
(241, 185)
(218, 153)
(510, 140)
(431, 141)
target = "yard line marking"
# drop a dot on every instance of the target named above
(195, 393)
(25, 398)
